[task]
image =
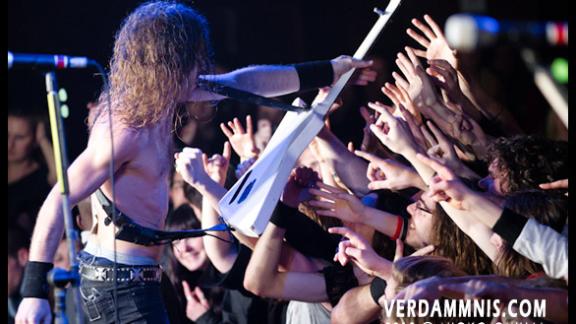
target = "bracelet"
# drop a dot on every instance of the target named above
(398, 230)
(314, 75)
(34, 282)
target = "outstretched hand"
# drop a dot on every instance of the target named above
(334, 202)
(388, 173)
(401, 99)
(417, 84)
(190, 165)
(433, 41)
(242, 141)
(217, 165)
(357, 249)
(392, 131)
(363, 76)
(445, 186)
(296, 190)
(345, 63)
(196, 303)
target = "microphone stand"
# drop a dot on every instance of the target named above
(57, 277)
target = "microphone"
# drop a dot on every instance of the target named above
(47, 61)
(468, 32)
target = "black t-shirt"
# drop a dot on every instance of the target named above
(230, 302)
(25, 197)
(239, 305)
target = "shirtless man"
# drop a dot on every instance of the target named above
(159, 53)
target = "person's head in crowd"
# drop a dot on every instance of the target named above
(21, 136)
(523, 162)
(184, 260)
(159, 50)
(421, 221)
(18, 245)
(429, 224)
(185, 254)
(548, 208)
(410, 269)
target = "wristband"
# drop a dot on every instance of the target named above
(314, 75)
(377, 288)
(404, 229)
(34, 282)
(398, 230)
(281, 215)
(509, 225)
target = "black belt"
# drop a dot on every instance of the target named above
(123, 274)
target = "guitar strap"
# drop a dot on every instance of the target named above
(130, 231)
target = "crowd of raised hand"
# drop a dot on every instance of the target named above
(434, 206)
(478, 216)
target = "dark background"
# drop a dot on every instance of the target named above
(278, 32)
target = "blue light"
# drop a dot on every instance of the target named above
(487, 24)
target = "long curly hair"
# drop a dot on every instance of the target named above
(156, 49)
(527, 161)
(451, 242)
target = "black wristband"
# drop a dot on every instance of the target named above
(404, 229)
(509, 225)
(282, 214)
(377, 289)
(35, 282)
(314, 75)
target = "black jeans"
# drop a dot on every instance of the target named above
(138, 302)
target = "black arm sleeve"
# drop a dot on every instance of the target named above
(304, 234)
(509, 225)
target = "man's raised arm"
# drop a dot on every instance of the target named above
(278, 80)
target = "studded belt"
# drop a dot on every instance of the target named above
(123, 274)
